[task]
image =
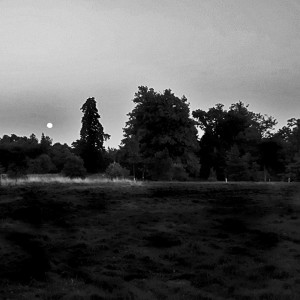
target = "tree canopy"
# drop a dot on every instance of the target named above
(225, 128)
(30, 155)
(161, 143)
(160, 126)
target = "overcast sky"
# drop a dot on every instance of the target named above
(56, 54)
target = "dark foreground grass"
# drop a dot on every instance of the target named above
(155, 241)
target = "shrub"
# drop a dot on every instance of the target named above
(74, 167)
(115, 170)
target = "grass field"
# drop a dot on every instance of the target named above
(124, 240)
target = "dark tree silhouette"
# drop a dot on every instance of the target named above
(45, 143)
(90, 145)
(59, 154)
(237, 165)
(160, 129)
(74, 168)
(223, 129)
(40, 165)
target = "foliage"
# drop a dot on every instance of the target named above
(179, 173)
(45, 143)
(161, 166)
(129, 155)
(33, 139)
(90, 145)
(1, 173)
(115, 170)
(159, 126)
(160, 143)
(237, 166)
(59, 154)
(16, 170)
(223, 129)
(293, 168)
(111, 154)
(271, 156)
(74, 167)
(212, 175)
(40, 165)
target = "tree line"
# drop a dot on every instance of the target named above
(162, 142)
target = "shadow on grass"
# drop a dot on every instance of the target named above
(32, 261)
(162, 239)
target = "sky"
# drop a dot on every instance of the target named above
(55, 54)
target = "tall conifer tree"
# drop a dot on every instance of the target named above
(90, 145)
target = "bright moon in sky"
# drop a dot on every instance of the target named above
(49, 125)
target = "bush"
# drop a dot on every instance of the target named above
(115, 170)
(74, 167)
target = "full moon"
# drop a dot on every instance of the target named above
(49, 125)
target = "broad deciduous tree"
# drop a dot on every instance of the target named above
(222, 129)
(160, 126)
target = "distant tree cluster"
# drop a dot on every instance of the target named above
(239, 144)
(161, 142)
(22, 155)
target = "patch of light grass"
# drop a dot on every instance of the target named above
(57, 178)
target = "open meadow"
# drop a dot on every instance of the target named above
(150, 240)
